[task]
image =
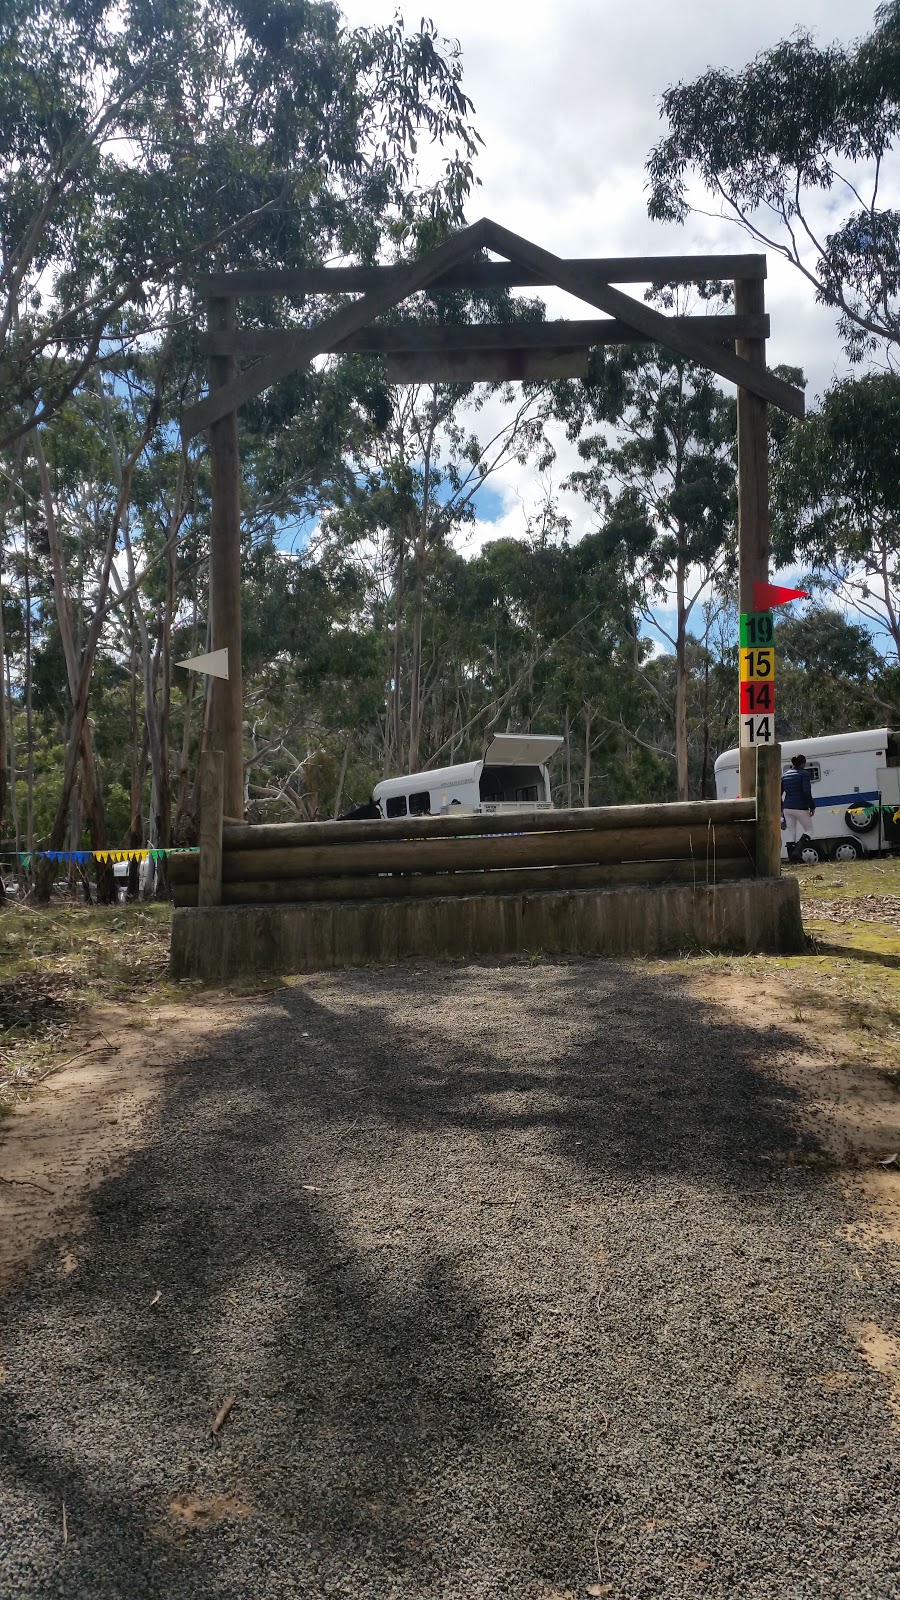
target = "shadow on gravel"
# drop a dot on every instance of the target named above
(638, 1078)
(330, 1208)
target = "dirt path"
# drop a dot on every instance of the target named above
(526, 1282)
(81, 1125)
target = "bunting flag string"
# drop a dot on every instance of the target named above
(83, 857)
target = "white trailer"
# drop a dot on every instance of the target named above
(512, 776)
(856, 788)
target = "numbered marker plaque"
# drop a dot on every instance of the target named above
(758, 697)
(757, 730)
(757, 659)
(757, 665)
(756, 628)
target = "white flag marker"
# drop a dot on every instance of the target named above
(215, 665)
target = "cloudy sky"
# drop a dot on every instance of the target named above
(566, 97)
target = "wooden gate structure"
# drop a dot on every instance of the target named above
(733, 346)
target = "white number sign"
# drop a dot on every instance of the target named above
(757, 730)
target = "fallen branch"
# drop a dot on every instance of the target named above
(223, 1412)
(101, 1050)
(26, 1183)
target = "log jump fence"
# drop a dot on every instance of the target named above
(342, 867)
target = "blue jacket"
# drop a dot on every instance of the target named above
(796, 791)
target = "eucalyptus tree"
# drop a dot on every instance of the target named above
(798, 148)
(656, 435)
(831, 678)
(237, 128)
(141, 142)
(413, 489)
(837, 498)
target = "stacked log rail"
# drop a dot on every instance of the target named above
(696, 841)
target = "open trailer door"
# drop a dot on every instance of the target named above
(521, 749)
(515, 771)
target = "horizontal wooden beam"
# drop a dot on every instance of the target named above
(486, 366)
(515, 850)
(438, 885)
(409, 337)
(577, 278)
(574, 819)
(487, 275)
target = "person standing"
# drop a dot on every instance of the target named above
(797, 804)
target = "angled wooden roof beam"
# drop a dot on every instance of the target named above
(409, 280)
(585, 286)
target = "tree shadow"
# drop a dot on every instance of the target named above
(849, 952)
(368, 1210)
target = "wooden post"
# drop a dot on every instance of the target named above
(226, 694)
(211, 792)
(768, 810)
(753, 481)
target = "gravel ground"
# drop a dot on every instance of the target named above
(524, 1285)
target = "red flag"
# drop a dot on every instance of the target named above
(767, 595)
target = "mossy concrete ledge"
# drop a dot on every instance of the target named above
(218, 943)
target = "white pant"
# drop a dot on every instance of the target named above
(798, 823)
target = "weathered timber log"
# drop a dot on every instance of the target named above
(416, 337)
(693, 813)
(226, 942)
(486, 366)
(481, 274)
(526, 880)
(768, 811)
(209, 861)
(593, 848)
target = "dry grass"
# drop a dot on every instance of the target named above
(849, 975)
(56, 962)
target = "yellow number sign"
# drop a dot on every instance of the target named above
(757, 664)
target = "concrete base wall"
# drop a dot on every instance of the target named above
(222, 942)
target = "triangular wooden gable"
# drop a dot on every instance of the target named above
(577, 278)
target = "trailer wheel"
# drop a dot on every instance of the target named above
(861, 819)
(847, 850)
(808, 852)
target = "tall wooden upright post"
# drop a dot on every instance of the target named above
(210, 869)
(753, 483)
(227, 698)
(768, 810)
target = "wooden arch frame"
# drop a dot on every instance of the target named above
(733, 346)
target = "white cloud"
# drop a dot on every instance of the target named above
(566, 99)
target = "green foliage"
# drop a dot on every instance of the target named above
(829, 678)
(662, 485)
(799, 120)
(838, 480)
(836, 496)
(236, 126)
